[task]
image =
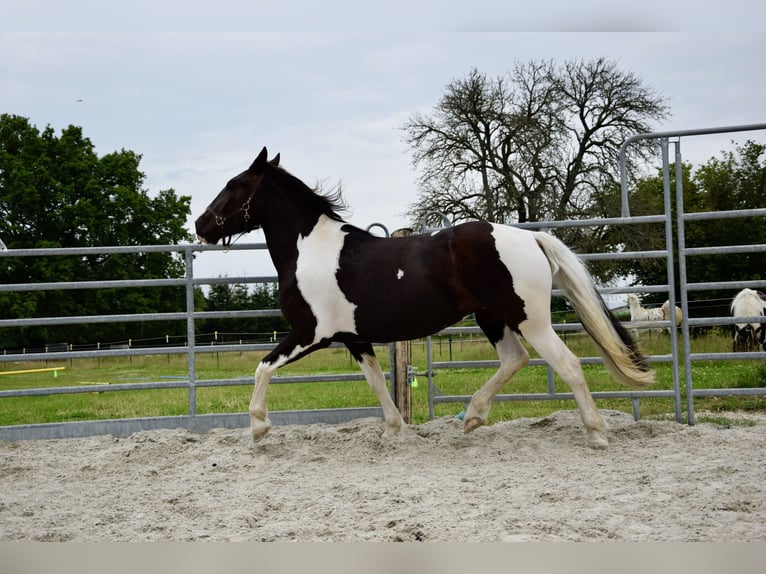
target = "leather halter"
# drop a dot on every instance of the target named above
(220, 220)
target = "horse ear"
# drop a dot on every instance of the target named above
(275, 161)
(260, 161)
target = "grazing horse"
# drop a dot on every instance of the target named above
(340, 283)
(747, 336)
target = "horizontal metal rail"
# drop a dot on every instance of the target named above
(125, 249)
(175, 384)
(664, 394)
(195, 423)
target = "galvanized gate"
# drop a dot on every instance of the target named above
(683, 384)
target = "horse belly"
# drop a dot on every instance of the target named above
(395, 303)
(405, 317)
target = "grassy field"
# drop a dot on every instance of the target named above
(100, 373)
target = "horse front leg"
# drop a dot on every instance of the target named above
(286, 351)
(368, 362)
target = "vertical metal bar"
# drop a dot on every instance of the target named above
(682, 281)
(392, 371)
(671, 268)
(625, 207)
(190, 338)
(551, 379)
(430, 374)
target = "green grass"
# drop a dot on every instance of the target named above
(101, 404)
(725, 422)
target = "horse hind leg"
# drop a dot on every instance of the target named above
(513, 356)
(553, 350)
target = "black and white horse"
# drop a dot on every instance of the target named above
(340, 283)
(748, 335)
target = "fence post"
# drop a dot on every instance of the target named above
(402, 361)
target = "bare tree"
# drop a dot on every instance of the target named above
(538, 143)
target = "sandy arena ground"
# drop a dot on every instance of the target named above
(523, 480)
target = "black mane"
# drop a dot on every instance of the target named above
(330, 204)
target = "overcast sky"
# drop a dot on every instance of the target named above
(330, 96)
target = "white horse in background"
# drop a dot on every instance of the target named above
(747, 336)
(666, 314)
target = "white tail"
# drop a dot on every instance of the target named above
(618, 349)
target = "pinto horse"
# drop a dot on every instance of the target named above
(338, 283)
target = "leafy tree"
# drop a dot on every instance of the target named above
(55, 191)
(539, 143)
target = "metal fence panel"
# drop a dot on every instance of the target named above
(192, 420)
(678, 353)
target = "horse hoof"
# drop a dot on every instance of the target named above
(397, 432)
(472, 424)
(597, 441)
(259, 430)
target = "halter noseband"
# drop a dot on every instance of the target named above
(220, 220)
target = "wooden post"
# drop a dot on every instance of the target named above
(402, 360)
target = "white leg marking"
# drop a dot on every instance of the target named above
(259, 416)
(513, 356)
(395, 425)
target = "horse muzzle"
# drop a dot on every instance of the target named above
(207, 229)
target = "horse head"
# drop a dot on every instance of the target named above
(235, 209)
(744, 338)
